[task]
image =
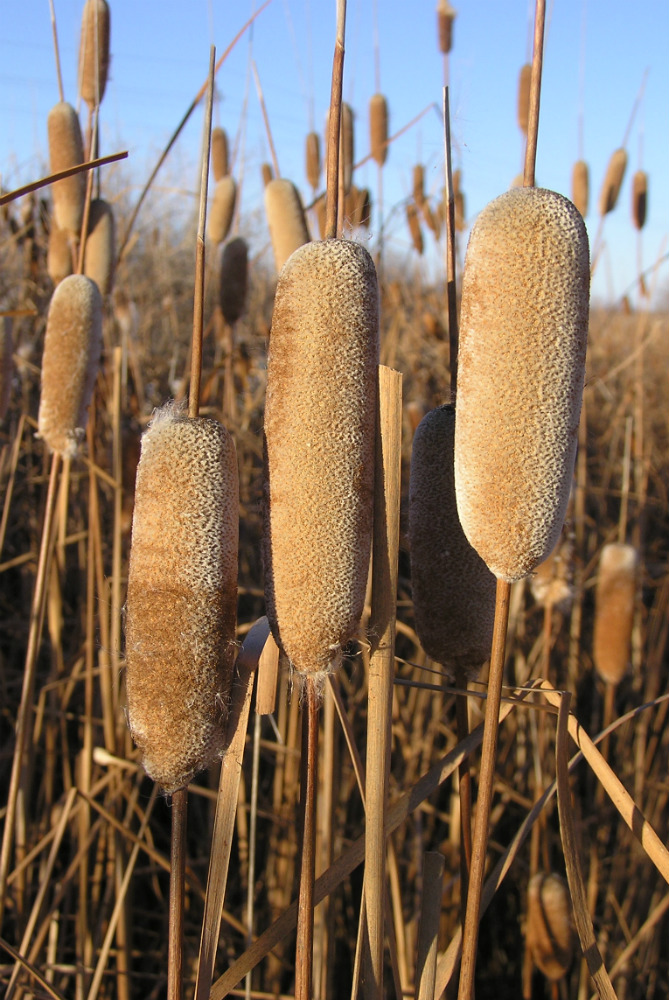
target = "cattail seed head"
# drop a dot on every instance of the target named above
(72, 346)
(413, 223)
(521, 362)
(550, 930)
(580, 186)
(66, 149)
(378, 128)
(100, 252)
(219, 153)
(267, 173)
(453, 589)
(347, 147)
(313, 159)
(182, 595)
(233, 278)
(319, 450)
(222, 209)
(418, 185)
(445, 18)
(614, 611)
(524, 80)
(639, 198)
(94, 51)
(6, 366)
(551, 583)
(285, 217)
(613, 181)
(460, 213)
(58, 255)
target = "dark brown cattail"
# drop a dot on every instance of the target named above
(614, 611)
(550, 930)
(219, 153)
(418, 185)
(94, 51)
(267, 173)
(222, 209)
(445, 18)
(347, 146)
(100, 253)
(639, 198)
(365, 208)
(313, 158)
(580, 186)
(524, 80)
(613, 180)
(66, 149)
(460, 213)
(453, 589)
(182, 595)
(233, 278)
(58, 255)
(72, 346)
(285, 217)
(378, 128)
(6, 366)
(414, 227)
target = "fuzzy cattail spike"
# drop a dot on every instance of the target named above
(100, 253)
(222, 209)
(445, 18)
(580, 186)
(313, 159)
(94, 51)
(285, 216)
(613, 180)
(233, 278)
(378, 128)
(614, 611)
(524, 80)
(639, 198)
(219, 153)
(66, 149)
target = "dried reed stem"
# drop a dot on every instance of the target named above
(535, 94)
(179, 814)
(428, 930)
(334, 125)
(308, 786)
(450, 252)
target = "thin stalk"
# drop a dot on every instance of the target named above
(535, 94)
(56, 51)
(453, 336)
(176, 905)
(305, 899)
(334, 125)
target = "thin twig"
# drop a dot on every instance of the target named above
(334, 125)
(59, 175)
(535, 94)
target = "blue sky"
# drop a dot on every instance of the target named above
(596, 55)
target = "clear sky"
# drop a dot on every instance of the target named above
(596, 55)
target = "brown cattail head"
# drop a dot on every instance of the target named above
(6, 365)
(413, 223)
(182, 595)
(58, 255)
(347, 147)
(364, 208)
(233, 278)
(639, 198)
(418, 185)
(614, 611)
(460, 211)
(521, 364)
(321, 210)
(580, 186)
(524, 80)
(94, 51)
(445, 18)
(313, 159)
(219, 153)
(66, 149)
(319, 450)
(72, 346)
(357, 207)
(222, 209)
(613, 181)
(550, 929)
(285, 217)
(267, 173)
(100, 253)
(453, 589)
(378, 128)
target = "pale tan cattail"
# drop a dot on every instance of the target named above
(100, 253)
(549, 932)
(6, 366)
(319, 450)
(453, 589)
(267, 173)
(320, 208)
(313, 159)
(72, 346)
(222, 209)
(580, 186)
(418, 184)
(58, 255)
(613, 181)
(94, 51)
(347, 146)
(524, 80)
(445, 18)
(182, 595)
(615, 599)
(378, 128)
(414, 227)
(219, 153)
(517, 182)
(285, 217)
(639, 198)
(66, 149)
(233, 278)
(521, 365)
(551, 582)
(460, 212)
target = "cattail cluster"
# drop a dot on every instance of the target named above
(550, 933)
(614, 610)
(66, 149)
(94, 51)
(286, 220)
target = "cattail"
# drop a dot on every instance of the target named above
(614, 611)
(222, 209)
(364, 208)
(72, 346)
(517, 182)
(219, 153)
(524, 80)
(453, 589)
(457, 180)
(94, 51)
(639, 198)
(267, 173)
(550, 931)
(460, 213)
(347, 149)
(285, 216)
(378, 128)
(445, 18)
(6, 366)
(613, 181)
(66, 149)
(414, 227)
(357, 207)
(233, 279)
(321, 210)
(521, 362)
(182, 595)
(100, 253)
(313, 158)
(319, 457)
(58, 255)
(580, 186)
(551, 583)
(418, 184)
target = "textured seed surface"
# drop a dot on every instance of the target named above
(453, 589)
(521, 365)
(319, 450)
(100, 252)
(550, 930)
(285, 217)
(72, 346)
(614, 611)
(66, 149)
(182, 595)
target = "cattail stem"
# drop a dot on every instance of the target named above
(87, 202)
(176, 905)
(428, 931)
(450, 252)
(308, 784)
(56, 51)
(465, 790)
(488, 758)
(334, 125)
(535, 94)
(265, 118)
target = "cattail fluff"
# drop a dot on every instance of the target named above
(549, 932)
(615, 598)
(72, 346)
(521, 362)
(100, 253)
(66, 149)
(453, 589)
(445, 18)
(94, 51)
(285, 217)
(524, 80)
(313, 159)
(613, 181)
(182, 595)
(58, 255)
(378, 128)
(6, 366)
(219, 153)
(233, 276)
(580, 186)
(222, 209)
(319, 450)
(639, 198)
(551, 583)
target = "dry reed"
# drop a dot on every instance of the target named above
(6, 366)
(285, 217)
(94, 51)
(614, 611)
(66, 149)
